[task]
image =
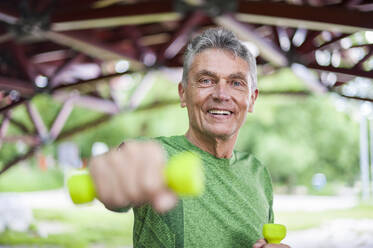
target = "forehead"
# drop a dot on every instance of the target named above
(221, 62)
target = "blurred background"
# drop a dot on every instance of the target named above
(79, 77)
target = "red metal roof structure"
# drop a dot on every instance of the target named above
(42, 40)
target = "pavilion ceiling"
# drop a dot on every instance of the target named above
(46, 46)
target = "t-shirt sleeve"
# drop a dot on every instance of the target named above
(271, 218)
(268, 189)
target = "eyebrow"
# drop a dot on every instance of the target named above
(206, 73)
(238, 75)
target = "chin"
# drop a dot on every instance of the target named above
(221, 134)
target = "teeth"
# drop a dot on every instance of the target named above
(219, 112)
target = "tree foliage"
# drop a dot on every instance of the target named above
(294, 136)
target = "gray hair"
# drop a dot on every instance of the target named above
(221, 39)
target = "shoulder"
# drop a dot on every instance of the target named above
(248, 158)
(253, 164)
(168, 139)
(173, 142)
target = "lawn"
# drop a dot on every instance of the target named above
(83, 227)
(33, 179)
(97, 227)
(300, 220)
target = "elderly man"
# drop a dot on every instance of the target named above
(218, 89)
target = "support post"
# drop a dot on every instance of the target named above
(371, 155)
(364, 158)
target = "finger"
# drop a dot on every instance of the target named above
(119, 197)
(260, 243)
(153, 180)
(129, 177)
(276, 246)
(143, 176)
(101, 178)
(164, 201)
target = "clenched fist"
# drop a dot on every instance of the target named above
(131, 176)
(262, 243)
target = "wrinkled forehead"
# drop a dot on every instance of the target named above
(223, 63)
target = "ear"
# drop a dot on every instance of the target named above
(182, 95)
(252, 100)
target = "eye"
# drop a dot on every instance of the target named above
(205, 81)
(237, 83)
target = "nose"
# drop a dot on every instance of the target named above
(221, 91)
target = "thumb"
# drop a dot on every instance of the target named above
(260, 243)
(164, 201)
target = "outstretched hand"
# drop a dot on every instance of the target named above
(261, 243)
(132, 176)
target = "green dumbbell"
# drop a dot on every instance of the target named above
(183, 174)
(274, 233)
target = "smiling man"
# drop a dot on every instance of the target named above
(218, 89)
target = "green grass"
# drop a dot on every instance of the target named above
(32, 179)
(94, 225)
(303, 220)
(87, 226)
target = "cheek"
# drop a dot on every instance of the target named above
(198, 97)
(244, 103)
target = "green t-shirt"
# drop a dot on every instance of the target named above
(237, 201)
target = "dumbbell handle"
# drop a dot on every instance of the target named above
(274, 233)
(183, 174)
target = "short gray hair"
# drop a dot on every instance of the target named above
(221, 39)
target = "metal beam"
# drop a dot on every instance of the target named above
(365, 58)
(144, 53)
(308, 43)
(20, 158)
(364, 7)
(27, 139)
(90, 102)
(12, 105)
(61, 119)
(181, 36)
(84, 126)
(331, 18)
(5, 37)
(89, 85)
(268, 50)
(90, 47)
(111, 22)
(37, 120)
(7, 17)
(357, 98)
(105, 118)
(23, 87)
(326, 44)
(353, 72)
(66, 13)
(118, 15)
(309, 79)
(4, 126)
(26, 66)
(63, 68)
(142, 89)
(19, 125)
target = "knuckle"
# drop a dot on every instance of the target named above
(118, 201)
(132, 194)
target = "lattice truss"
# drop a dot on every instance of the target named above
(47, 46)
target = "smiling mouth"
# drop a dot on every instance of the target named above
(219, 112)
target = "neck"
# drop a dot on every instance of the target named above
(219, 147)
